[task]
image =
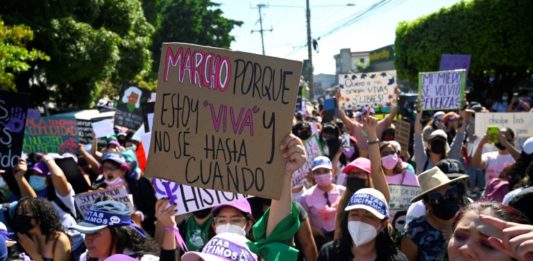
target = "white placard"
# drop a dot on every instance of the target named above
(190, 199)
(103, 128)
(520, 122)
(375, 89)
(312, 148)
(84, 201)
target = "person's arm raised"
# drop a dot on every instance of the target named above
(348, 123)
(59, 180)
(516, 241)
(293, 151)
(376, 171)
(24, 186)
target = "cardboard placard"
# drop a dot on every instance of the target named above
(49, 135)
(443, 90)
(129, 112)
(13, 111)
(520, 122)
(375, 89)
(84, 201)
(313, 150)
(220, 117)
(455, 61)
(403, 134)
(190, 199)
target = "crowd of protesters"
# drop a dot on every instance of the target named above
(456, 196)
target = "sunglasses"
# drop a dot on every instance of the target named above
(451, 194)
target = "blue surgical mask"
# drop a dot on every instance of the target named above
(38, 183)
(2, 182)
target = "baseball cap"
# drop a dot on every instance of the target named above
(438, 115)
(224, 246)
(438, 133)
(359, 163)
(527, 147)
(450, 116)
(366, 109)
(41, 168)
(120, 257)
(104, 214)
(242, 204)
(522, 201)
(321, 162)
(114, 143)
(371, 200)
(115, 157)
(451, 167)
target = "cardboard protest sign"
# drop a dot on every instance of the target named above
(403, 134)
(374, 89)
(129, 111)
(520, 122)
(443, 90)
(13, 107)
(220, 117)
(48, 135)
(84, 201)
(313, 150)
(455, 61)
(190, 199)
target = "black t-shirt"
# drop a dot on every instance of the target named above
(331, 252)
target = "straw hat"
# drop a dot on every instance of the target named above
(433, 179)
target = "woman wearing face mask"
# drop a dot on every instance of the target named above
(437, 143)
(402, 181)
(233, 217)
(39, 231)
(424, 237)
(489, 231)
(363, 172)
(115, 171)
(321, 201)
(364, 233)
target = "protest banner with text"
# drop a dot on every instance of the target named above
(84, 201)
(220, 117)
(403, 134)
(13, 111)
(129, 111)
(375, 89)
(443, 90)
(520, 122)
(455, 61)
(190, 199)
(48, 135)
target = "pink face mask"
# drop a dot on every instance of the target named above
(323, 179)
(390, 161)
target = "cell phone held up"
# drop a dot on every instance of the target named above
(492, 133)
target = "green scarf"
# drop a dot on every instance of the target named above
(197, 235)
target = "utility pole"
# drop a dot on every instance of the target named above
(309, 51)
(259, 6)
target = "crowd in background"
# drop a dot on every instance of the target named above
(452, 196)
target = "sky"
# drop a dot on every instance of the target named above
(361, 25)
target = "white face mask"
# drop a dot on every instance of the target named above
(117, 182)
(230, 228)
(361, 232)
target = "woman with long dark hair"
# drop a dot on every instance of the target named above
(364, 233)
(39, 230)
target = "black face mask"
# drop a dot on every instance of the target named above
(355, 183)
(22, 223)
(438, 146)
(499, 146)
(202, 213)
(446, 209)
(304, 134)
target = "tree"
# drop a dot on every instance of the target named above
(91, 43)
(192, 21)
(14, 56)
(495, 32)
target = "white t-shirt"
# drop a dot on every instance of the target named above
(494, 162)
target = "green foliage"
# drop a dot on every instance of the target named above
(495, 32)
(192, 21)
(89, 42)
(14, 56)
